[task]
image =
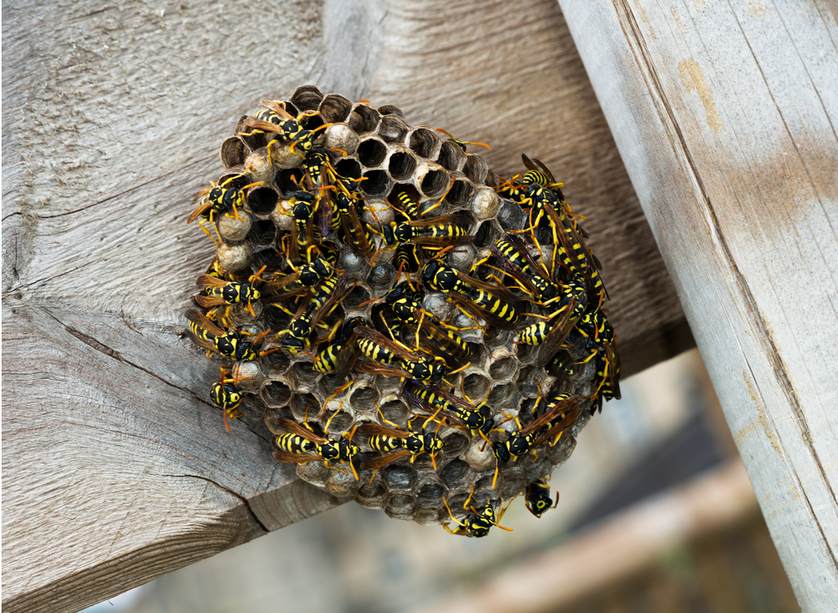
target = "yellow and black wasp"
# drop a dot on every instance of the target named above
(477, 522)
(326, 295)
(402, 317)
(431, 232)
(394, 444)
(550, 332)
(558, 415)
(537, 497)
(596, 334)
(299, 444)
(276, 119)
(217, 292)
(477, 419)
(407, 205)
(227, 196)
(514, 261)
(476, 298)
(392, 358)
(228, 398)
(347, 208)
(301, 278)
(332, 355)
(233, 345)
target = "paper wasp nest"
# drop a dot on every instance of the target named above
(389, 156)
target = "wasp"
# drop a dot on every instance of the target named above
(403, 305)
(217, 292)
(396, 444)
(537, 497)
(408, 206)
(297, 336)
(515, 261)
(233, 345)
(476, 298)
(228, 398)
(432, 232)
(224, 197)
(276, 120)
(477, 419)
(347, 205)
(300, 444)
(330, 358)
(559, 414)
(477, 522)
(551, 332)
(392, 358)
(302, 278)
(303, 206)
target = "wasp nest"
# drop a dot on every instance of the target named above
(419, 335)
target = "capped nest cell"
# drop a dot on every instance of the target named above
(418, 334)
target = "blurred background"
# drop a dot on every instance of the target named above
(655, 514)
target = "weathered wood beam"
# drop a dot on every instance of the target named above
(725, 114)
(115, 468)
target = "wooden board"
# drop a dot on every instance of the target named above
(725, 115)
(115, 467)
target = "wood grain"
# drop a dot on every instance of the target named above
(725, 116)
(115, 468)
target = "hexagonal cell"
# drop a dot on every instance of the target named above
(401, 165)
(304, 406)
(424, 142)
(276, 362)
(371, 152)
(476, 386)
(511, 216)
(454, 474)
(306, 98)
(460, 193)
(234, 228)
(427, 516)
(233, 152)
(364, 399)
(376, 182)
(234, 258)
(503, 368)
(395, 411)
(356, 296)
(434, 182)
(451, 156)
(399, 505)
(288, 180)
(479, 455)
(334, 108)
(349, 168)
(475, 168)
(262, 200)
(341, 139)
(339, 422)
(502, 394)
(430, 494)
(381, 276)
(393, 129)
(315, 473)
(302, 372)
(262, 232)
(455, 443)
(275, 394)
(363, 119)
(371, 494)
(399, 477)
(341, 483)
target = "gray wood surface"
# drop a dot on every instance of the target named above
(725, 116)
(115, 467)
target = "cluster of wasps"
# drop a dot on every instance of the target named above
(538, 280)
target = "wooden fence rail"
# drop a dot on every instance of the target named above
(115, 467)
(725, 115)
